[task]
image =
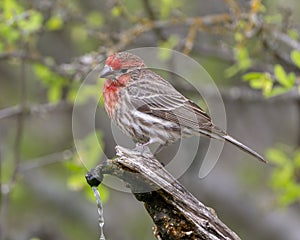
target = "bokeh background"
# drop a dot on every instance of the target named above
(47, 48)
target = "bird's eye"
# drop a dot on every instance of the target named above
(124, 70)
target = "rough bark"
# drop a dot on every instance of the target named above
(176, 213)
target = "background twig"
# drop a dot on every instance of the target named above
(17, 151)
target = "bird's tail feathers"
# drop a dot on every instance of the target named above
(244, 148)
(221, 135)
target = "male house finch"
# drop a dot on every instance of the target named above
(149, 109)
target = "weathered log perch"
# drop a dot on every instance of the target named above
(176, 213)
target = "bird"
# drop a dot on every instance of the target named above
(150, 110)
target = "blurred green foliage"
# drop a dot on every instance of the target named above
(279, 83)
(17, 24)
(295, 56)
(51, 80)
(54, 23)
(286, 174)
(170, 43)
(89, 155)
(166, 6)
(21, 27)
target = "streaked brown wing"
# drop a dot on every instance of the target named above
(162, 100)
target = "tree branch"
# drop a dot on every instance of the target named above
(32, 109)
(5, 196)
(151, 15)
(46, 160)
(176, 213)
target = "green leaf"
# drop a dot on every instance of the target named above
(164, 52)
(77, 181)
(43, 72)
(238, 36)
(267, 87)
(281, 75)
(293, 33)
(54, 23)
(10, 34)
(91, 149)
(253, 75)
(75, 165)
(51, 80)
(242, 64)
(232, 71)
(290, 195)
(32, 23)
(116, 11)
(95, 19)
(276, 91)
(284, 180)
(277, 156)
(257, 83)
(286, 80)
(292, 79)
(243, 59)
(47, 76)
(54, 93)
(165, 8)
(262, 81)
(11, 8)
(295, 56)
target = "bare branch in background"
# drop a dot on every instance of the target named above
(43, 161)
(128, 36)
(5, 195)
(152, 16)
(33, 109)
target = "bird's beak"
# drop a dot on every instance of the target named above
(106, 71)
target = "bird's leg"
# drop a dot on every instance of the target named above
(138, 147)
(143, 148)
(159, 148)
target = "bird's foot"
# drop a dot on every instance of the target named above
(143, 149)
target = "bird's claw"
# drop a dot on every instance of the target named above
(143, 150)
